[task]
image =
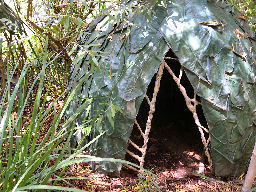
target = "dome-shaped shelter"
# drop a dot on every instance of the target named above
(216, 50)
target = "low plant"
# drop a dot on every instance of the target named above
(31, 149)
(147, 182)
(35, 148)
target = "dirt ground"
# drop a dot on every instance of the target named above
(176, 158)
(175, 165)
(172, 173)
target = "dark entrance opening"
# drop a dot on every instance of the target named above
(175, 145)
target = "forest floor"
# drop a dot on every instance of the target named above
(176, 166)
(172, 173)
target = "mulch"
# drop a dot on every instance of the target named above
(173, 170)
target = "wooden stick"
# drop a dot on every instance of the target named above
(151, 114)
(145, 134)
(131, 167)
(134, 145)
(133, 155)
(251, 173)
(139, 128)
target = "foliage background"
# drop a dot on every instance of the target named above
(247, 7)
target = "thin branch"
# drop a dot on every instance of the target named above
(29, 10)
(148, 100)
(56, 46)
(131, 167)
(138, 126)
(171, 58)
(151, 114)
(135, 145)
(133, 155)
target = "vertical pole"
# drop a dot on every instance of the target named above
(145, 134)
(152, 105)
(251, 172)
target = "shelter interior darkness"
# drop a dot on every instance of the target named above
(175, 143)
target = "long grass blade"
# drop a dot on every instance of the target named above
(37, 101)
(48, 187)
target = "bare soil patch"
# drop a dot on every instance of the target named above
(174, 163)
